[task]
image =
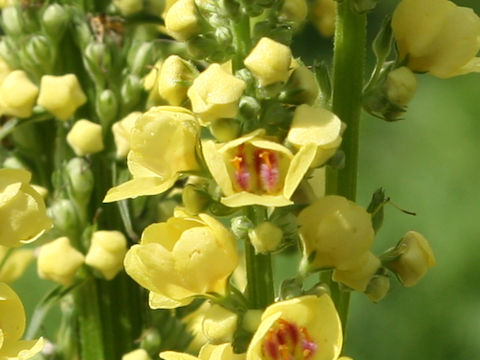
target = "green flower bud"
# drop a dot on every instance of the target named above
(7, 52)
(201, 46)
(80, 179)
(64, 215)
(139, 56)
(12, 21)
(151, 340)
(106, 106)
(241, 225)
(223, 35)
(55, 19)
(225, 129)
(39, 50)
(195, 199)
(97, 61)
(128, 7)
(131, 92)
(249, 107)
(363, 6)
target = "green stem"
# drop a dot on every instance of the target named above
(348, 73)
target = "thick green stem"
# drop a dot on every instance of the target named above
(348, 72)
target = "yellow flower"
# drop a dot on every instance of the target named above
(12, 327)
(163, 144)
(336, 232)
(323, 15)
(359, 276)
(181, 20)
(401, 85)
(173, 79)
(59, 261)
(17, 94)
(23, 215)
(61, 95)
(251, 170)
(174, 260)
(215, 94)
(437, 36)
(306, 327)
(208, 352)
(121, 133)
(416, 256)
(194, 325)
(106, 252)
(265, 237)
(139, 354)
(85, 137)
(16, 263)
(318, 126)
(269, 61)
(219, 325)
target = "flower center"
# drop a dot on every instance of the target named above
(256, 170)
(287, 341)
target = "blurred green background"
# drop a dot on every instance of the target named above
(428, 164)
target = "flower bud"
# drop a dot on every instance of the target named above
(80, 178)
(241, 225)
(359, 276)
(139, 56)
(174, 79)
(85, 137)
(265, 237)
(97, 59)
(294, 11)
(151, 340)
(17, 94)
(401, 85)
(106, 252)
(139, 354)
(61, 95)
(15, 265)
(5, 69)
(251, 320)
(195, 199)
(378, 287)
(128, 7)
(39, 50)
(269, 61)
(219, 325)
(225, 129)
(58, 261)
(55, 20)
(215, 94)
(131, 92)
(323, 14)
(106, 106)
(23, 215)
(121, 133)
(12, 21)
(416, 256)
(302, 87)
(63, 214)
(182, 21)
(7, 52)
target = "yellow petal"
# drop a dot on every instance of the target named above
(139, 187)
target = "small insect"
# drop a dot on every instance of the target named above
(107, 26)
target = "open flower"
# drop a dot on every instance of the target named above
(12, 327)
(318, 126)
(163, 144)
(207, 352)
(252, 170)
(181, 258)
(215, 93)
(23, 216)
(306, 328)
(336, 232)
(437, 36)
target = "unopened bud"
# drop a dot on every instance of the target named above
(401, 85)
(151, 340)
(106, 106)
(295, 11)
(139, 354)
(219, 325)
(301, 88)
(59, 261)
(39, 49)
(55, 19)
(12, 21)
(265, 237)
(128, 7)
(80, 179)
(241, 225)
(7, 52)
(378, 287)
(225, 129)
(359, 276)
(139, 56)
(97, 60)
(131, 92)
(174, 78)
(182, 21)
(106, 252)
(195, 199)
(18, 94)
(249, 107)
(85, 137)
(64, 215)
